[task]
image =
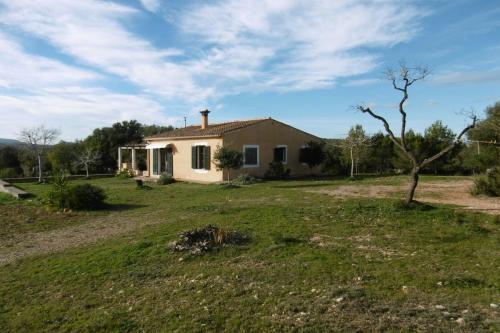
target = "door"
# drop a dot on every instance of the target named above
(170, 162)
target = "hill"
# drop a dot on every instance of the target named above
(9, 142)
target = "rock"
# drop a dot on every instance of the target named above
(494, 306)
(339, 299)
(460, 321)
(440, 283)
(440, 307)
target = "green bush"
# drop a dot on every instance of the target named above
(57, 197)
(8, 173)
(277, 171)
(244, 179)
(86, 197)
(165, 180)
(125, 173)
(79, 197)
(488, 184)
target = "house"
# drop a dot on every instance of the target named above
(187, 153)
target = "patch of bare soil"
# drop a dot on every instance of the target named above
(39, 243)
(446, 192)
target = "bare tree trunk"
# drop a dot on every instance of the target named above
(228, 175)
(352, 165)
(39, 168)
(87, 170)
(413, 184)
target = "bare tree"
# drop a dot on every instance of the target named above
(87, 158)
(402, 79)
(37, 140)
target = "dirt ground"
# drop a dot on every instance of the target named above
(38, 243)
(446, 192)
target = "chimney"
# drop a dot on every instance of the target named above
(204, 119)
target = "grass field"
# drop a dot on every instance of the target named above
(314, 263)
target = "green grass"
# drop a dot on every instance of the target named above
(314, 264)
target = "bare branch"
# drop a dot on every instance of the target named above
(451, 146)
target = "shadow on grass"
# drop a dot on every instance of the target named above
(328, 178)
(400, 205)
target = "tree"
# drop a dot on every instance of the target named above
(37, 140)
(381, 153)
(62, 156)
(353, 145)
(312, 154)
(87, 158)
(483, 150)
(227, 159)
(9, 160)
(401, 81)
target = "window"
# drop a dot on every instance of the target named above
(200, 157)
(280, 154)
(251, 155)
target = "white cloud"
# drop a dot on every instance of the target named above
(234, 46)
(77, 111)
(23, 71)
(308, 44)
(151, 5)
(459, 77)
(92, 32)
(362, 82)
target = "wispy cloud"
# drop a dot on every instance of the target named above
(151, 5)
(459, 77)
(232, 47)
(362, 82)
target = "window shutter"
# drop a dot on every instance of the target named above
(276, 155)
(193, 157)
(155, 161)
(206, 156)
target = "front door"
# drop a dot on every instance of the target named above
(170, 162)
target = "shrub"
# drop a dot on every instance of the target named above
(125, 173)
(277, 171)
(86, 197)
(165, 180)
(57, 197)
(488, 184)
(244, 179)
(207, 239)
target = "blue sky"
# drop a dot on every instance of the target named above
(81, 64)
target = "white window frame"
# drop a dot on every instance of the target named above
(258, 156)
(286, 152)
(200, 144)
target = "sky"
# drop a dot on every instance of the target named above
(76, 65)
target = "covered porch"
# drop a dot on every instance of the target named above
(135, 158)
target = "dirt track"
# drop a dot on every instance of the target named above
(446, 192)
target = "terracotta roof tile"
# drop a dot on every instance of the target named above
(211, 130)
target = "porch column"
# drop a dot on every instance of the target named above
(119, 158)
(133, 160)
(148, 164)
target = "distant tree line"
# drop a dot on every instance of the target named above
(356, 154)
(361, 153)
(98, 153)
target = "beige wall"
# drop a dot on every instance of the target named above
(182, 160)
(267, 135)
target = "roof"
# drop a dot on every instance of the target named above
(213, 130)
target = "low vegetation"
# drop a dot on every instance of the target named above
(63, 196)
(488, 184)
(315, 262)
(165, 180)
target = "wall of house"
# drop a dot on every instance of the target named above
(182, 160)
(268, 135)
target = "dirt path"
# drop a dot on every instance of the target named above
(453, 193)
(30, 244)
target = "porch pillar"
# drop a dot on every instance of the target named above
(148, 164)
(119, 158)
(133, 160)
